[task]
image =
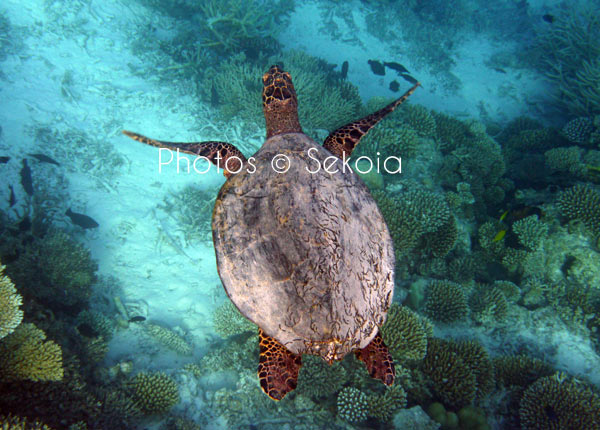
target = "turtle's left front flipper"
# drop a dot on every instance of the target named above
(344, 139)
(378, 360)
(222, 154)
(278, 368)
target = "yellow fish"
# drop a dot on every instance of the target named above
(504, 215)
(594, 169)
(499, 236)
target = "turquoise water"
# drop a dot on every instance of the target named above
(113, 310)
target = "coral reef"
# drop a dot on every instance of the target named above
(24, 354)
(418, 217)
(228, 321)
(578, 130)
(488, 305)
(383, 407)
(570, 60)
(10, 313)
(519, 370)
(317, 379)
(169, 338)
(404, 334)
(324, 102)
(154, 392)
(352, 405)
(453, 381)
(12, 422)
(446, 302)
(581, 203)
(557, 403)
(56, 269)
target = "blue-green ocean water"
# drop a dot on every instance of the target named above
(113, 311)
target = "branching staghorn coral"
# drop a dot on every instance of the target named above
(571, 57)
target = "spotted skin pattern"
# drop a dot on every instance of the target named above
(378, 360)
(278, 368)
(342, 141)
(280, 103)
(221, 154)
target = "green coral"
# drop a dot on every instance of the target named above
(519, 370)
(570, 54)
(317, 379)
(383, 407)
(488, 304)
(453, 382)
(418, 216)
(566, 160)
(389, 139)
(404, 334)
(228, 321)
(154, 392)
(530, 231)
(581, 203)
(557, 403)
(446, 302)
(57, 269)
(477, 359)
(169, 338)
(420, 119)
(24, 354)
(10, 314)
(323, 102)
(12, 422)
(352, 405)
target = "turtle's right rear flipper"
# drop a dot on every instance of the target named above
(378, 360)
(222, 154)
(278, 368)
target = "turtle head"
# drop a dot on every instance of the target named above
(280, 103)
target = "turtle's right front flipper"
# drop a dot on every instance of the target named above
(222, 154)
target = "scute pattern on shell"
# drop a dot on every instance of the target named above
(307, 257)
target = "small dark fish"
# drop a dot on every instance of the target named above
(44, 158)
(138, 318)
(81, 220)
(409, 78)
(500, 70)
(26, 180)
(548, 18)
(25, 224)
(397, 67)
(12, 199)
(4, 159)
(377, 67)
(394, 86)
(345, 66)
(521, 211)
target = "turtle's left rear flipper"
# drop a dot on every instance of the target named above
(378, 360)
(277, 367)
(222, 154)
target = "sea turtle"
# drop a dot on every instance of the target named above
(302, 251)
